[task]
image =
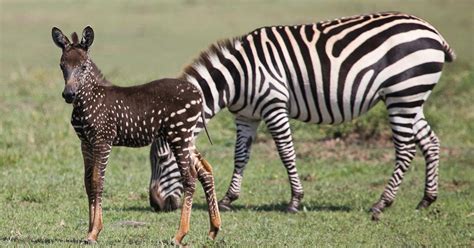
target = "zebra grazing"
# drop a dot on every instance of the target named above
(105, 115)
(328, 72)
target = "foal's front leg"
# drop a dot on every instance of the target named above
(95, 162)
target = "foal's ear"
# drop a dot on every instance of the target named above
(59, 38)
(87, 37)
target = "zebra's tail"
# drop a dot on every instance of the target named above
(205, 127)
(449, 54)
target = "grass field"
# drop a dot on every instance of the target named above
(42, 197)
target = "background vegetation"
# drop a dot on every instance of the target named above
(42, 198)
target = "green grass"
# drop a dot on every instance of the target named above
(42, 197)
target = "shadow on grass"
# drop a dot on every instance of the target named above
(82, 241)
(274, 207)
(41, 240)
(281, 207)
(131, 209)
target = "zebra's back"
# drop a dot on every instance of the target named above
(334, 71)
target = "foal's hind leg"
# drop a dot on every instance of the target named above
(428, 143)
(204, 171)
(405, 149)
(182, 153)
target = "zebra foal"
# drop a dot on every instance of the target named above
(324, 73)
(105, 115)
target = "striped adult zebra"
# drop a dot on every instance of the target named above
(328, 72)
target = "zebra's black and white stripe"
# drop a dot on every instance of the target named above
(328, 72)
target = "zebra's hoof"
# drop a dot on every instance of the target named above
(376, 212)
(426, 202)
(224, 206)
(375, 216)
(292, 209)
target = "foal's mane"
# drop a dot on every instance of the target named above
(102, 80)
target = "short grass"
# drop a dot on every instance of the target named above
(42, 198)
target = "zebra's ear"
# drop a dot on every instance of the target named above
(87, 37)
(59, 38)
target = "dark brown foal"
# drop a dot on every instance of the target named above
(105, 115)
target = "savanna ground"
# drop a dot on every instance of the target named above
(42, 196)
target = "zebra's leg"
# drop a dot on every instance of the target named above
(278, 124)
(405, 149)
(428, 143)
(204, 172)
(95, 162)
(165, 188)
(246, 132)
(182, 152)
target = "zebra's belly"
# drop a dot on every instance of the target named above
(248, 111)
(310, 111)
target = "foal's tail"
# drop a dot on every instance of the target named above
(205, 127)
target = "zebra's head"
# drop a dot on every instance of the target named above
(75, 62)
(166, 187)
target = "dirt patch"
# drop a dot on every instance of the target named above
(343, 150)
(338, 149)
(130, 223)
(454, 185)
(308, 178)
(378, 184)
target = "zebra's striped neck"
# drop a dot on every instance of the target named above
(215, 73)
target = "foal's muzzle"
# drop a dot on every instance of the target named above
(69, 95)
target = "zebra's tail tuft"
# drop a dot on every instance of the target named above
(449, 54)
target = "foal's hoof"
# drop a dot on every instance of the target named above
(426, 202)
(224, 206)
(178, 243)
(212, 234)
(90, 242)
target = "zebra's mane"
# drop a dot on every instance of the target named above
(215, 51)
